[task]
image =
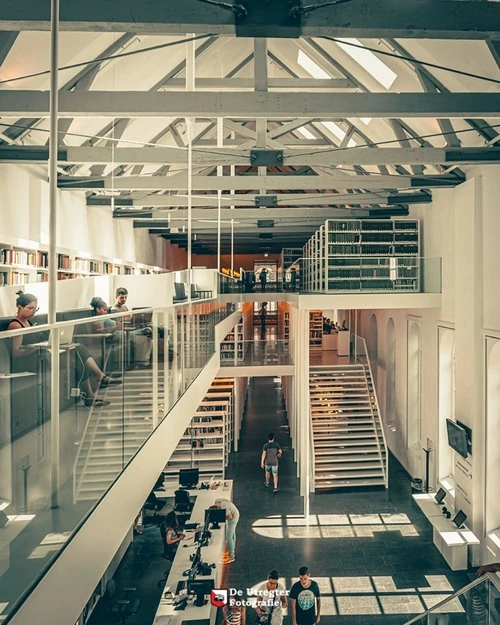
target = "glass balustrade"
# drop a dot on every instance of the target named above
(265, 352)
(116, 377)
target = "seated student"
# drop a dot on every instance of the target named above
(171, 536)
(100, 309)
(26, 308)
(141, 339)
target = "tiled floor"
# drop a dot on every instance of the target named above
(371, 551)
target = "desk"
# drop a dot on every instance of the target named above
(451, 541)
(166, 615)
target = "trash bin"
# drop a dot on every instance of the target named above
(417, 485)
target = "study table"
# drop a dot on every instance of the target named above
(211, 554)
(450, 540)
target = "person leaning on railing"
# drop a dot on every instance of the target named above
(488, 568)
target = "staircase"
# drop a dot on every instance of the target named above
(349, 446)
(113, 434)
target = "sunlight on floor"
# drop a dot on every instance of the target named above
(334, 525)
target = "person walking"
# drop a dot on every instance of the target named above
(269, 460)
(271, 600)
(263, 279)
(305, 600)
(232, 518)
(263, 317)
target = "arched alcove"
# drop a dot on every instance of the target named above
(413, 413)
(390, 373)
(372, 344)
(446, 398)
(492, 472)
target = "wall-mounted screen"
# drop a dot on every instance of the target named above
(457, 438)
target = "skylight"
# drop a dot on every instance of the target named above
(338, 132)
(307, 134)
(310, 66)
(369, 61)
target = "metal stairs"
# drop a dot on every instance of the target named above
(113, 434)
(348, 442)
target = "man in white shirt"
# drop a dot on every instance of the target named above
(232, 518)
(271, 600)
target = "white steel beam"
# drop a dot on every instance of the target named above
(234, 156)
(251, 183)
(409, 19)
(18, 103)
(287, 84)
(247, 200)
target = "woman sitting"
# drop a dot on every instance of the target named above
(27, 306)
(170, 535)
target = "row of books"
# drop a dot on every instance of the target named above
(9, 256)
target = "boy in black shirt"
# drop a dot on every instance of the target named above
(271, 453)
(305, 599)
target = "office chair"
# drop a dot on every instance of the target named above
(153, 503)
(182, 502)
(122, 608)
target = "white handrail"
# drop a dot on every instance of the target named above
(376, 398)
(437, 608)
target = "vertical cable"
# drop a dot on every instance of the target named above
(54, 333)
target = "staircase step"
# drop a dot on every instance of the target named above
(353, 466)
(331, 475)
(349, 483)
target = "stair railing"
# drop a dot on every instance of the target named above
(476, 598)
(360, 346)
(93, 419)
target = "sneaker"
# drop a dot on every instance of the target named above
(266, 484)
(229, 560)
(275, 490)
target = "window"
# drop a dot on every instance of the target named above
(369, 61)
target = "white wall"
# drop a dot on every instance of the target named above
(462, 226)
(24, 206)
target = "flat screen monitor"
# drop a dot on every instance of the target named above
(440, 495)
(457, 438)
(200, 588)
(215, 516)
(460, 518)
(189, 477)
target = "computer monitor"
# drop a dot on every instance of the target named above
(200, 588)
(440, 495)
(195, 563)
(188, 478)
(215, 516)
(460, 518)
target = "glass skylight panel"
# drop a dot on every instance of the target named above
(369, 61)
(310, 66)
(338, 132)
(307, 134)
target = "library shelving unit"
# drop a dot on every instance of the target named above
(233, 345)
(203, 444)
(289, 257)
(365, 255)
(24, 262)
(283, 321)
(315, 329)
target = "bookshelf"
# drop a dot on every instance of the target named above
(364, 255)
(25, 262)
(315, 329)
(289, 257)
(233, 345)
(209, 438)
(283, 321)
